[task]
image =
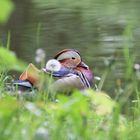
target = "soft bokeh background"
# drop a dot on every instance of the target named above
(99, 29)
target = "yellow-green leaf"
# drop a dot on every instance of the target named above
(6, 7)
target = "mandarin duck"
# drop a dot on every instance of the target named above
(67, 66)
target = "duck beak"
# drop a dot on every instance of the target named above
(82, 64)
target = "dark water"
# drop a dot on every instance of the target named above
(99, 29)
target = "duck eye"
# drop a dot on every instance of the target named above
(73, 57)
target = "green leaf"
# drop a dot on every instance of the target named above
(6, 7)
(101, 102)
(7, 106)
(9, 61)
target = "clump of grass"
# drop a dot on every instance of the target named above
(88, 115)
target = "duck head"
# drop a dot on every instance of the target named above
(69, 58)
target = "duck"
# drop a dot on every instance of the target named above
(66, 67)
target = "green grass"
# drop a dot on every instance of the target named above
(85, 115)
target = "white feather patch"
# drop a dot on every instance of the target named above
(53, 65)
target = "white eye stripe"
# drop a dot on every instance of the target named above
(69, 55)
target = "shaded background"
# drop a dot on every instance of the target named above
(99, 29)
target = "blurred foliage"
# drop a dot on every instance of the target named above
(6, 7)
(102, 102)
(72, 117)
(9, 61)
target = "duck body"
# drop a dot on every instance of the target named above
(67, 66)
